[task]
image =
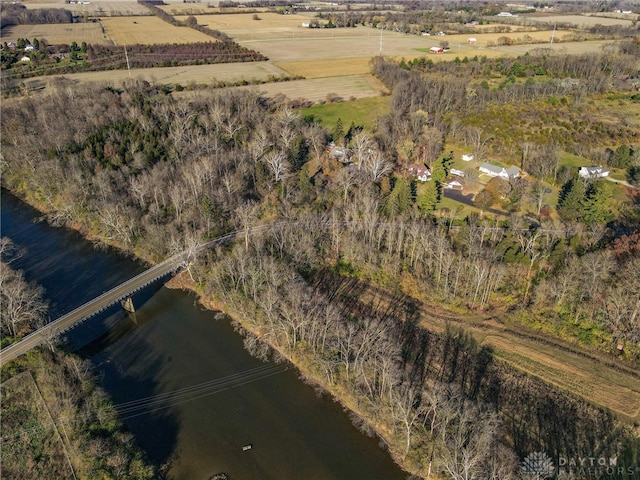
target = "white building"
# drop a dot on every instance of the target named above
(496, 171)
(593, 172)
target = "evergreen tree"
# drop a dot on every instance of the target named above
(595, 207)
(338, 131)
(572, 197)
(400, 199)
(428, 197)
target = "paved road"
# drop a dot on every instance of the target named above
(468, 200)
(67, 321)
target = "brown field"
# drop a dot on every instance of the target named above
(327, 68)
(316, 90)
(149, 30)
(96, 8)
(598, 379)
(243, 23)
(580, 20)
(55, 34)
(196, 74)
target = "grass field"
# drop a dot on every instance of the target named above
(59, 33)
(364, 111)
(149, 31)
(317, 90)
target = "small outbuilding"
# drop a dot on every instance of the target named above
(467, 157)
(472, 40)
(436, 50)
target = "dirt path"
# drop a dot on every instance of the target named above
(599, 379)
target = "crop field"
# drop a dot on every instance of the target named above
(327, 68)
(149, 31)
(185, 75)
(58, 33)
(244, 24)
(580, 20)
(96, 8)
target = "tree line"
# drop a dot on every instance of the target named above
(17, 14)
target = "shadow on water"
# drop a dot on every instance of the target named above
(126, 363)
(69, 268)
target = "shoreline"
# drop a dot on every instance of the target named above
(182, 282)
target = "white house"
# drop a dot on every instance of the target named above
(454, 185)
(456, 172)
(472, 40)
(593, 172)
(419, 172)
(467, 157)
(496, 171)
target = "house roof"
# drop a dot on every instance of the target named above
(595, 169)
(492, 168)
(513, 171)
(418, 170)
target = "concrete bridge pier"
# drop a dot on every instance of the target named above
(129, 307)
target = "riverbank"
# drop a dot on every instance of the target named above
(359, 417)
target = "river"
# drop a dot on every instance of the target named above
(181, 379)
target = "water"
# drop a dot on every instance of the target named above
(181, 379)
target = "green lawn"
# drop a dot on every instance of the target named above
(362, 112)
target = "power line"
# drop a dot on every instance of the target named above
(161, 401)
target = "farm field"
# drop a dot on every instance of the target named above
(185, 75)
(58, 33)
(244, 24)
(148, 31)
(579, 20)
(96, 8)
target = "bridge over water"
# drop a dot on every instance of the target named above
(67, 321)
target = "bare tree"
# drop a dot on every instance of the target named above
(245, 216)
(478, 141)
(21, 304)
(377, 166)
(278, 164)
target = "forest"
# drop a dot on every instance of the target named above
(350, 252)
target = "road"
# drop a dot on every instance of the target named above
(458, 196)
(90, 308)
(98, 304)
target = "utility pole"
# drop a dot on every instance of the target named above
(127, 57)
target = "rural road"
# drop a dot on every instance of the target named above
(458, 196)
(109, 298)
